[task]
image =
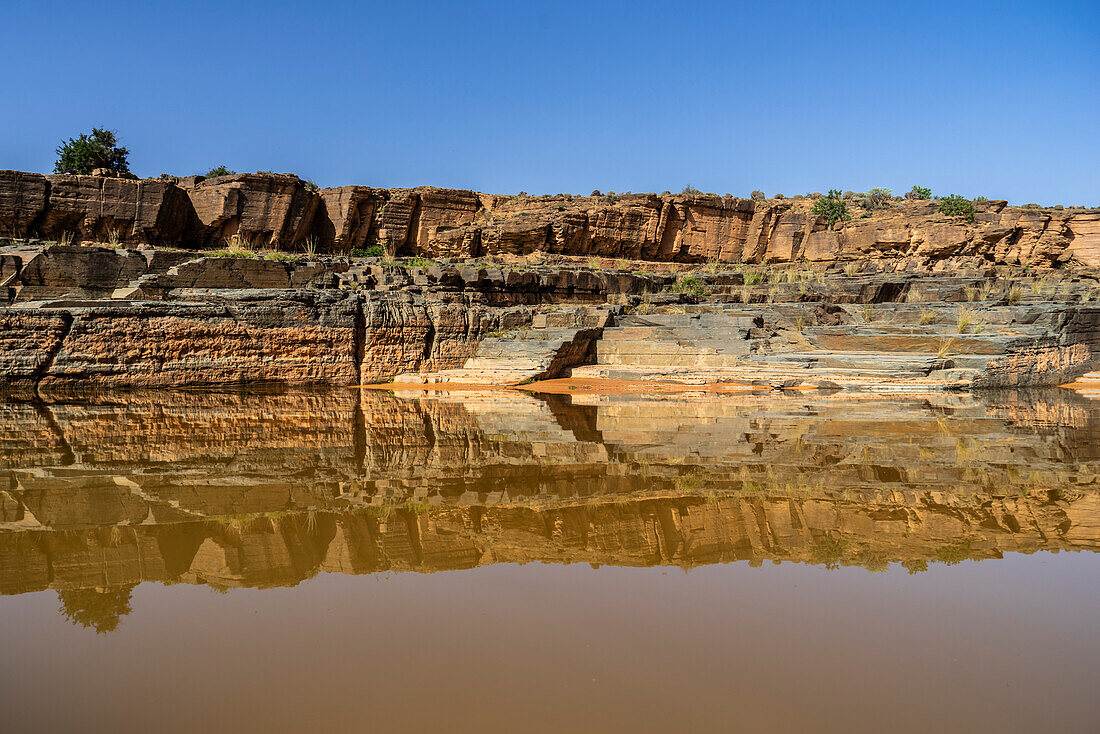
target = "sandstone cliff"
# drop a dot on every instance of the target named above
(280, 211)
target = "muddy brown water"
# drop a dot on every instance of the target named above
(500, 561)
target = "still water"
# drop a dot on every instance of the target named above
(496, 561)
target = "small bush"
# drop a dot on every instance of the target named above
(758, 195)
(957, 206)
(877, 198)
(371, 251)
(690, 190)
(689, 284)
(832, 207)
(219, 171)
(596, 192)
(88, 152)
(919, 193)
(310, 185)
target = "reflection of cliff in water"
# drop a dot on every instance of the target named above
(268, 489)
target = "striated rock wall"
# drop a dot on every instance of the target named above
(288, 337)
(280, 211)
(87, 317)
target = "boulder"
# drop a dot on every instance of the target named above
(345, 217)
(258, 209)
(147, 211)
(23, 198)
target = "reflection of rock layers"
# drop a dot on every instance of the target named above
(262, 489)
(688, 530)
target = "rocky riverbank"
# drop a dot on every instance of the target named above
(83, 317)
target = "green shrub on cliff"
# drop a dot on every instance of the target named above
(957, 206)
(370, 251)
(219, 171)
(689, 284)
(832, 207)
(919, 193)
(876, 198)
(89, 152)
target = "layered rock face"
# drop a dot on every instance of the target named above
(80, 318)
(279, 211)
(259, 210)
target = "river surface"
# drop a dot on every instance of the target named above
(353, 560)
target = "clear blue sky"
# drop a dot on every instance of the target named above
(997, 98)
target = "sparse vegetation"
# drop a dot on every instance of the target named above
(690, 190)
(758, 195)
(219, 171)
(369, 251)
(957, 206)
(832, 207)
(952, 555)
(689, 284)
(967, 321)
(753, 277)
(877, 198)
(927, 316)
(918, 193)
(828, 552)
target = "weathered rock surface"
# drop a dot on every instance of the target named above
(259, 210)
(278, 210)
(23, 199)
(103, 209)
(155, 317)
(288, 337)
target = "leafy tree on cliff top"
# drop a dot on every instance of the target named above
(89, 152)
(832, 207)
(219, 171)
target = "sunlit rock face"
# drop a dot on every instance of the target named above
(281, 210)
(78, 319)
(261, 489)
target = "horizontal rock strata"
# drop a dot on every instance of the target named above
(86, 317)
(282, 211)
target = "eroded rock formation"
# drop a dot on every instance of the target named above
(280, 211)
(86, 317)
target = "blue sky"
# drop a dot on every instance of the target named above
(997, 99)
